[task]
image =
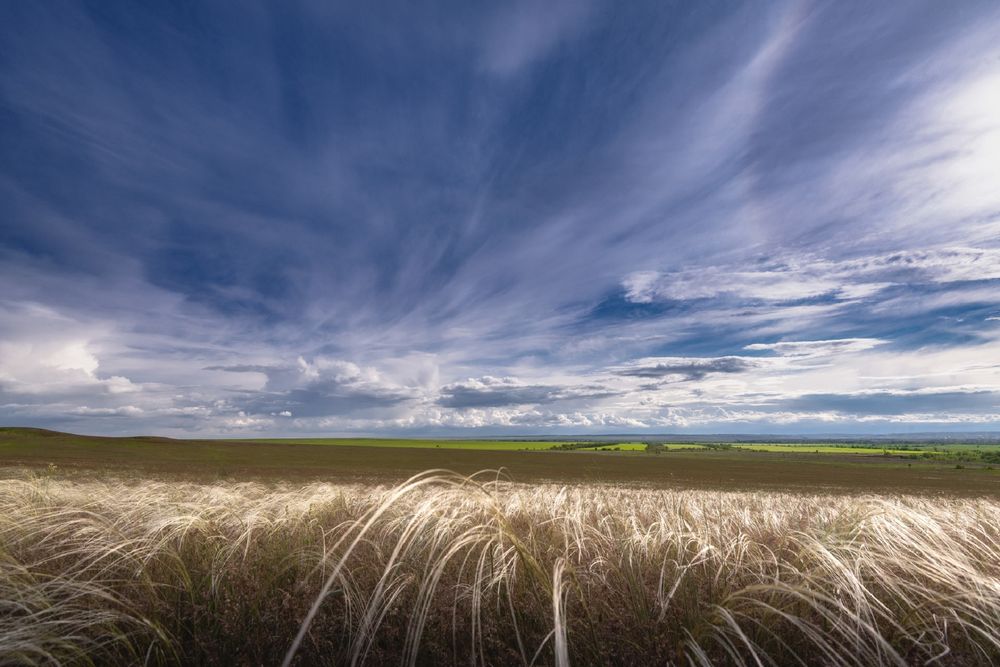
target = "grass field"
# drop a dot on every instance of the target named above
(422, 443)
(826, 449)
(448, 570)
(934, 449)
(683, 466)
(986, 454)
(793, 448)
(215, 552)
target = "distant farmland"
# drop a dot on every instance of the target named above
(429, 443)
(964, 470)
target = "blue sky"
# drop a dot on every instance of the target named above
(500, 218)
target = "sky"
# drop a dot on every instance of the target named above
(332, 218)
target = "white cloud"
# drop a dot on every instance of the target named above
(815, 348)
(123, 411)
(803, 277)
(44, 352)
(241, 421)
(705, 283)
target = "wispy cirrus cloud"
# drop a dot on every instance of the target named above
(814, 348)
(804, 277)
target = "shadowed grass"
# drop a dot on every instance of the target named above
(449, 569)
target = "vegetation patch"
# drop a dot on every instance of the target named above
(446, 569)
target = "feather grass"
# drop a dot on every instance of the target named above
(448, 569)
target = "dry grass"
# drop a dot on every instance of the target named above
(445, 569)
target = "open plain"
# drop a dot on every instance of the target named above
(126, 550)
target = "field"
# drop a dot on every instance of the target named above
(825, 449)
(417, 443)
(678, 466)
(447, 570)
(160, 551)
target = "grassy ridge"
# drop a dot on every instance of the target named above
(447, 570)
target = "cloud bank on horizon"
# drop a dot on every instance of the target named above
(508, 218)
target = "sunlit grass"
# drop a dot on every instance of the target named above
(446, 569)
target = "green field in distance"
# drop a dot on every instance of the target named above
(825, 449)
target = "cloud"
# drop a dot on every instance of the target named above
(804, 277)
(123, 411)
(522, 418)
(242, 421)
(813, 348)
(687, 368)
(490, 391)
(320, 387)
(944, 403)
(770, 285)
(43, 353)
